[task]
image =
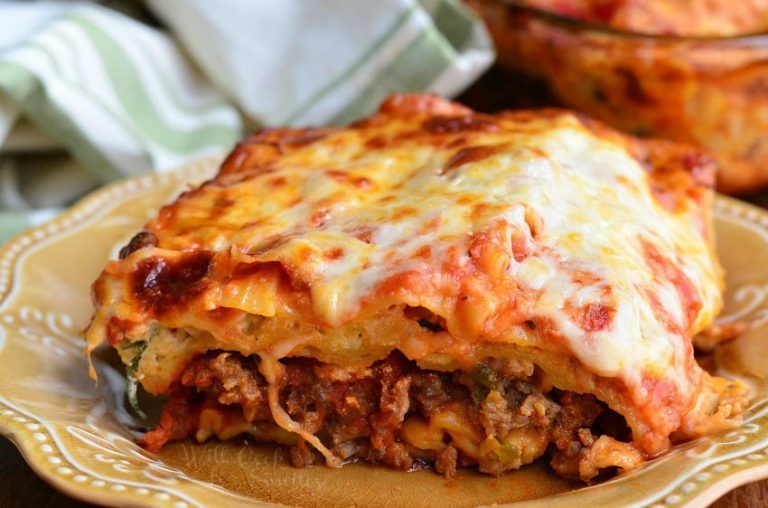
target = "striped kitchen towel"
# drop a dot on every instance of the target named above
(89, 94)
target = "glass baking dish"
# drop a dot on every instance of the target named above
(712, 91)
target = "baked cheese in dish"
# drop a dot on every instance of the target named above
(687, 18)
(431, 284)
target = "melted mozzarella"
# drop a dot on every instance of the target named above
(595, 207)
(573, 211)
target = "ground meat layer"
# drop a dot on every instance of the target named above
(395, 413)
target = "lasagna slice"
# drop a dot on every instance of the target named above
(686, 18)
(431, 285)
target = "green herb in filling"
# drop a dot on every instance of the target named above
(130, 374)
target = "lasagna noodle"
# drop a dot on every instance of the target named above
(452, 237)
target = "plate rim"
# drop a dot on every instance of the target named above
(89, 208)
(85, 209)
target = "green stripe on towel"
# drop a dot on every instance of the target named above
(389, 34)
(411, 71)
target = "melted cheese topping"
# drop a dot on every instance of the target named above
(710, 18)
(534, 229)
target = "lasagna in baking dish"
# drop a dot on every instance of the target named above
(696, 18)
(431, 285)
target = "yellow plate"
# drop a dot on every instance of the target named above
(52, 411)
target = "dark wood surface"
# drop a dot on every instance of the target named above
(20, 487)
